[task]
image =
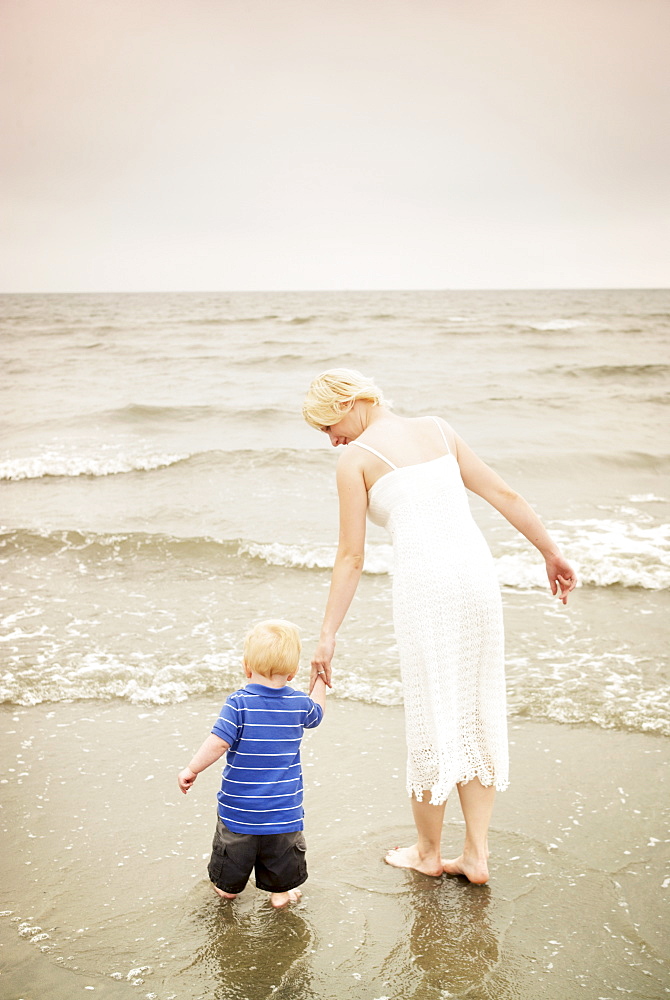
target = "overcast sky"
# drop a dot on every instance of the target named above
(307, 144)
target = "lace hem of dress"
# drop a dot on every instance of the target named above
(441, 791)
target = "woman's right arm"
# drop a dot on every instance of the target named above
(348, 566)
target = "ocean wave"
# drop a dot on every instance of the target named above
(125, 458)
(137, 679)
(378, 558)
(612, 371)
(227, 320)
(564, 686)
(567, 462)
(297, 320)
(97, 549)
(605, 553)
(140, 412)
(53, 464)
(604, 689)
(647, 498)
(286, 358)
(148, 418)
(556, 324)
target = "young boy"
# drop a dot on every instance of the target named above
(260, 814)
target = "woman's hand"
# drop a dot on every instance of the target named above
(321, 662)
(562, 577)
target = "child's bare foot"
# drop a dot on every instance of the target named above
(222, 894)
(476, 870)
(281, 899)
(409, 857)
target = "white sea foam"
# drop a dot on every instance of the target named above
(605, 688)
(136, 679)
(58, 463)
(562, 684)
(619, 552)
(557, 324)
(647, 498)
(291, 556)
(605, 553)
(378, 558)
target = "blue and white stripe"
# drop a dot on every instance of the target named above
(262, 789)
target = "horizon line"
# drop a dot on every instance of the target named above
(273, 291)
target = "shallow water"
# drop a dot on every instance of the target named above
(160, 489)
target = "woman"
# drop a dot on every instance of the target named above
(410, 476)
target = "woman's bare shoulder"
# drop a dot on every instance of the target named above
(447, 430)
(350, 459)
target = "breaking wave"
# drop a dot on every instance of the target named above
(605, 552)
(52, 464)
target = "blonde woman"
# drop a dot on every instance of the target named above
(410, 475)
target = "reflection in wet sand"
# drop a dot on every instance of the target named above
(251, 952)
(399, 934)
(453, 943)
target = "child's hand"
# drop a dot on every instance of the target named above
(186, 778)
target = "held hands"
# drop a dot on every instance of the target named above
(186, 778)
(321, 662)
(562, 577)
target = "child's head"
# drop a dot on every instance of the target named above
(273, 648)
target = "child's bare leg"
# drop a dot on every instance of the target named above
(281, 899)
(222, 894)
(477, 805)
(424, 856)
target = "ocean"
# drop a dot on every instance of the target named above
(160, 490)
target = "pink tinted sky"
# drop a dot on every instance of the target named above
(268, 144)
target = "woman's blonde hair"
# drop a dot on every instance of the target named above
(273, 647)
(334, 392)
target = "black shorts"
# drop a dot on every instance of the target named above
(278, 859)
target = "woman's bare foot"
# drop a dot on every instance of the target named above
(281, 899)
(475, 870)
(222, 894)
(409, 857)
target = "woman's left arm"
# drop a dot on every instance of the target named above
(486, 483)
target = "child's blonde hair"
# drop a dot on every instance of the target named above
(322, 406)
(273, 647)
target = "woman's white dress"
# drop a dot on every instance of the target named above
(447, 614)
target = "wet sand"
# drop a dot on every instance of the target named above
(105, 891)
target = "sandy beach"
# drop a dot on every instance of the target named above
(105, 890)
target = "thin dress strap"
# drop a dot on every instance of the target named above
(442, 433)
(374, 452)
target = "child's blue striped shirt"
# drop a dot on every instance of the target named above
(261, 788)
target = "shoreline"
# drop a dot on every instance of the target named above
(105, 867)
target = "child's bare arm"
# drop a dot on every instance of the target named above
(211, 750)
(318, 692)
